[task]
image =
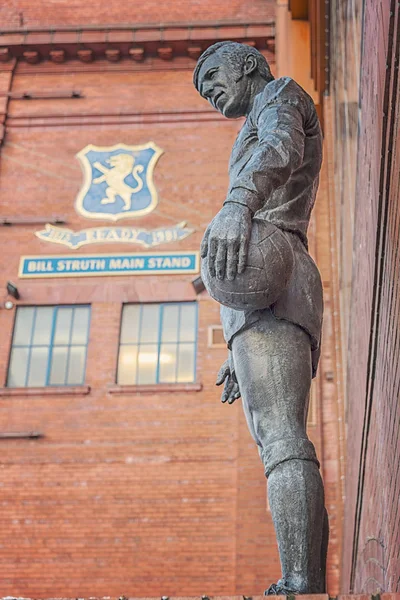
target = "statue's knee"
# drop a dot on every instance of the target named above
(287, 449)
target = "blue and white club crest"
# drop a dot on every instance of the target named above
(118, 181)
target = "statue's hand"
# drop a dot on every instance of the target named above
(226, 241)
(231, 388)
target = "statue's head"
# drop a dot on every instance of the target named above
(228, 74)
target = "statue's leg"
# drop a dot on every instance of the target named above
(272, 361)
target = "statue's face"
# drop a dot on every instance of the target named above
(224, 88)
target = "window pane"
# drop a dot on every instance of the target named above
(187, 329)
(130, 324)
(150, 321)
(76, 366)
(38, 367)
(63, 326)
(168, 363)
(43, 325)
(170, 323)
(80, 325)
(23, 326)
(58, 374)
(127, 362)
(186, 363)
(18, 367)
(147, 364)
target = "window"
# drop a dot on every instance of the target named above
(158, 344)
(49, 346)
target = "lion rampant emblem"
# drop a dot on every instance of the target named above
(118, 181)
(121, 167)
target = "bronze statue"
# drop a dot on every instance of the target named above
(255, 262)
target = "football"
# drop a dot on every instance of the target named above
(268, 269)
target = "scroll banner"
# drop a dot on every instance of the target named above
(130, 235)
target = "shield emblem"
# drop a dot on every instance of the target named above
(118, 181)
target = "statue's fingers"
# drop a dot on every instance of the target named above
(220, 260)
(244, 244)
(229, 383)
(234, 395)
(204, 243)
(223, 373)
(212, 255)
(232, 261)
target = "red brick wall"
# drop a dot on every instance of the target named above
(346, 25)
(24, 13)
(372, 533)
(329, 397)
(125, 492)
(130, 493)
(139, 493)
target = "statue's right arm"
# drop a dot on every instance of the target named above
(231, 390)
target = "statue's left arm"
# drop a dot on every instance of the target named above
(279, 122)
(279, 152)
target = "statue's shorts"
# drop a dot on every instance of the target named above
(272, 362)
(301, 303)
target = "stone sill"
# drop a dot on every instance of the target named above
(156, 388)
(305, 597)
(383, 596)
(68, 390)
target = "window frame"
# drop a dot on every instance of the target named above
(211, 343)
(50, 345)
(159, 342)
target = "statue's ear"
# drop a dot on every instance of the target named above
(250, 64)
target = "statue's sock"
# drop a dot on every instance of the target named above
(296, 499)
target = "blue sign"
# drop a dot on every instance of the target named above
(118, 181)
(87, 265)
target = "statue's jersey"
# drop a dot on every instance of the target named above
(274, 168)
